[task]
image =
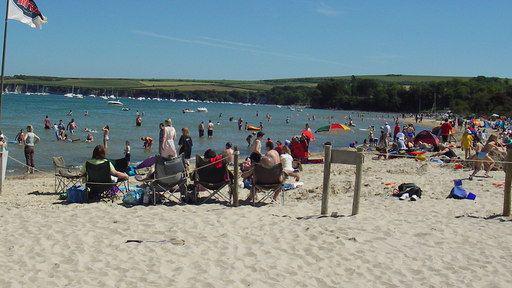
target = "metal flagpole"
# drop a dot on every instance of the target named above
(3, 55)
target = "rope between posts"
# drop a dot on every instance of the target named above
(35, 169)
(145, 180)
(451, 160)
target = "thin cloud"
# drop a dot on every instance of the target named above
(327, 10)
(229, 42)
(224, 44)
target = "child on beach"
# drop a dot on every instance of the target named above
(467, 143)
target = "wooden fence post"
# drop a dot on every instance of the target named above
(508, 180)
(235, 175)
(357, 191)
(326, 184)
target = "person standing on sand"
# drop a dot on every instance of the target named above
(167, 147)
(185, 144)
(466, 143)
(106, 136)
(201, 129)
(256, 145)
(30, 142)
(210, 129)
(446, 129)
(47, 123)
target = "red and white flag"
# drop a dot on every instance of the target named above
(26, 12)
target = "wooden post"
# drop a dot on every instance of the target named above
(508, 182)
(326, 184)
(235, 175)
(355, 203)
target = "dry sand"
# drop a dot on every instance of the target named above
(434, 242)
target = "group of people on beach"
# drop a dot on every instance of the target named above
(480, 148)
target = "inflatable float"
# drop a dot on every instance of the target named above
(253, 128)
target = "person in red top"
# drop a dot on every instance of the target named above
(299, 149)
(446, 129)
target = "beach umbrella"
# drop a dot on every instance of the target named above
(308, 134)
(333, 128)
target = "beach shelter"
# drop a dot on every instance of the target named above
(333, 128)
(308, 134)
(426, 136)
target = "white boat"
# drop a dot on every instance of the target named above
(115, 103)
(202, 109)
(187, 111)
(125, 109)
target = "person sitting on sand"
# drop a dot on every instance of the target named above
(482, 156)
(445, 152)
(99, 157)
(287, 162)
(271, 153)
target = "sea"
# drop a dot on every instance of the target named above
(20, 110)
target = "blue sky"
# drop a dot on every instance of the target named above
(263, 39)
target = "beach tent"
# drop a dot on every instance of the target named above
(426, 136)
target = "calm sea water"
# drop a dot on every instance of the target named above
(21, 110)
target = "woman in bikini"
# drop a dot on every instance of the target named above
(482, 156)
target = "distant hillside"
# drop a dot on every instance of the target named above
(109, 84)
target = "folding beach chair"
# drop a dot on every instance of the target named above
(267, 180)
(65, 176)
(213, 179)
(169, 178)
(99, 181)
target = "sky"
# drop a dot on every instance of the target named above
(263, 39)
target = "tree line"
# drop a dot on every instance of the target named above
(479, 95)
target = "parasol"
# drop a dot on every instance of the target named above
(333, 128)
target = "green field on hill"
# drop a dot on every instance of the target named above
(205, 85)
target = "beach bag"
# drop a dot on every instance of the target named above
(409, 188)
(133, 197)
(76, 194)
(458, 192)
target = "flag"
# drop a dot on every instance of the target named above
(26, 12)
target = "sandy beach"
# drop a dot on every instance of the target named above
(433, 242)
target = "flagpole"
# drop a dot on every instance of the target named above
(3, 55)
